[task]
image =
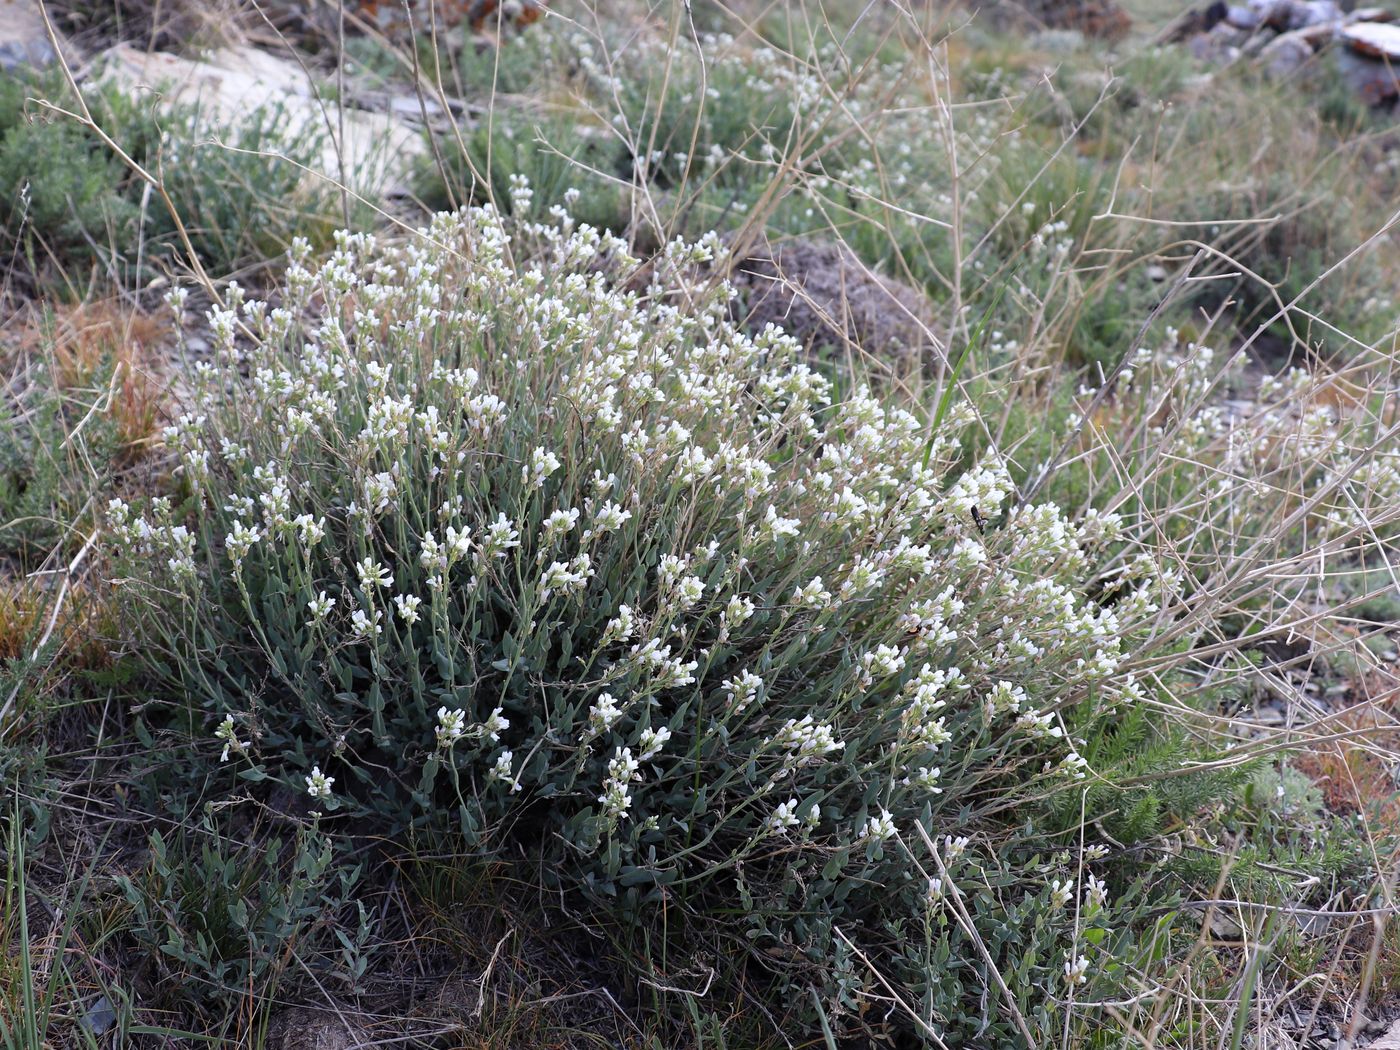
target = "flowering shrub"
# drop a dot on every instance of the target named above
(490, 548)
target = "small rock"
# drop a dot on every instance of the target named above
(1306, 13)
(1287, 53)
(1373, 39)
(1374, 82)
(1389, 1039)
(377, 149)
(24, 42)
(1203, 49)
(1243, 18)
(1370, 14)
(99, 1017)
(1285, 15)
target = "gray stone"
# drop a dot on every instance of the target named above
(1374, 40)
(1373, 81)
(1285, 15)
(1370, 14)
(1243, 18)
(1305, 13)
(1287, 54)
(1220, 46)
(24, 42)
(376, 149)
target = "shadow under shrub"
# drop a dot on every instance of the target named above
(493, 551)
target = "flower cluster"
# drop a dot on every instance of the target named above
(503, 536)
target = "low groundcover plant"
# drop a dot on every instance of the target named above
(496, 545)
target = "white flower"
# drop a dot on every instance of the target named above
(742, 690)
(372, 575)
(885, 662)
(240, 540)
(1096, 891)
(408, 605)
(651, 743)
(689, 590)
(669, 568)
(569, 577)
(1061, 890)
(878, 828)
(737, 611)
(452, 725)
(1074, 764)
(807, 741)
(318, 785)
(458, 545)
(320, 607)
(616, 799)
(603, 714)
(362, 626)
(542, 464)
(501, 535)
(622, 770)
(1004, 697)
(777, 527)
(312, 530)
(608, 518)
(380, 489)
(813, 594)
(674, 673)
(783, 817)
(496, 724)
(926, 778)
(1077, 971)
(620, 627)
(502, 771)
(953, 848)
(558, 523)
(622, 766)
(225, 732)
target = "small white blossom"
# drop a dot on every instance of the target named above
(1077, 971)
(318, 785)
(603, 714)
(452, 726)
(495, 724)
(320, 607)
(542, 464)
(362, 625)
(878, 828)
(783, 817)
(651, 743)
(502, 771)
(372, 575)
(225, 732)
(408, 605)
